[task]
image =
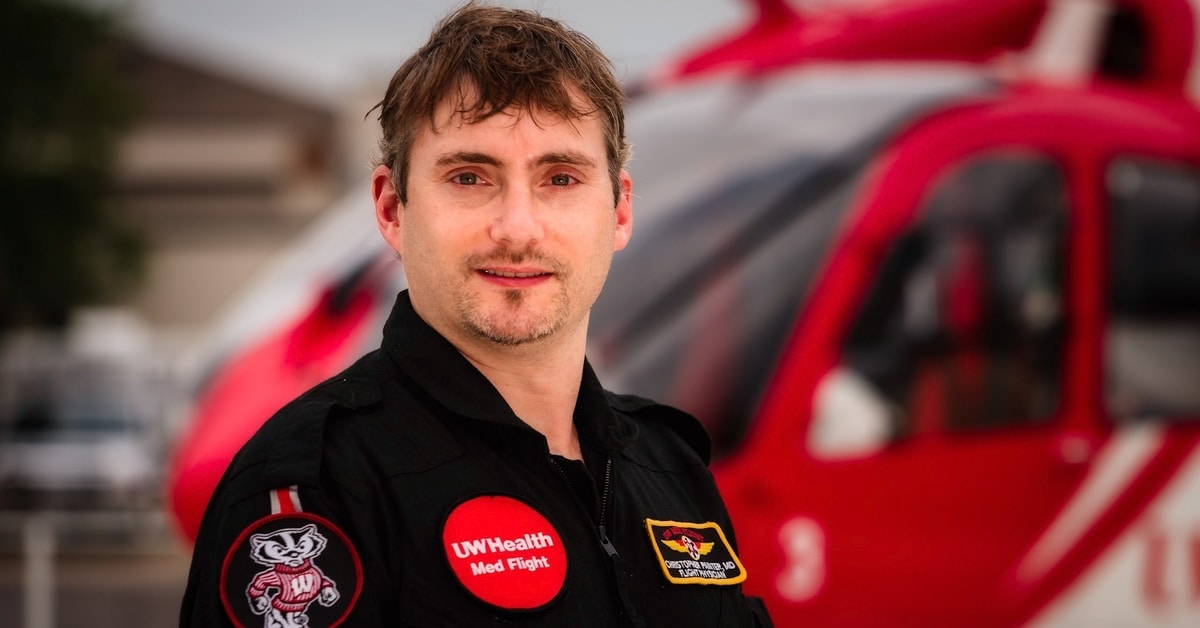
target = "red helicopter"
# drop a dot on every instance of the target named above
(928, 271)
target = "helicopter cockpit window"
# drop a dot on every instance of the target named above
(1152, 345)
(962, 328)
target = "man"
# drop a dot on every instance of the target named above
(472, 471)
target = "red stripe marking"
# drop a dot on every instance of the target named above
(286, 506)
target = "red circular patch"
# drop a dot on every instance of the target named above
(505, 553)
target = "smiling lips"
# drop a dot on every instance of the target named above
(514, 275)
(515, 278)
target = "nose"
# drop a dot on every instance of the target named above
(517, 222)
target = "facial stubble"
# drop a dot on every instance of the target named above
(498, 327)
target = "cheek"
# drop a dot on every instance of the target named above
(419, 231)
(435, 243)
(599, 253)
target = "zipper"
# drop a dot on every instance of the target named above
(608, 546)
(628, 610)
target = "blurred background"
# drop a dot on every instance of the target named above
(933, 285)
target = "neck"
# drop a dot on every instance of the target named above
(540, 384)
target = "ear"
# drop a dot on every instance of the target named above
(624, 222)
(387, 208)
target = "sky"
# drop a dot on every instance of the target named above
(323, 47)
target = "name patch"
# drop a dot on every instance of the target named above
(694, 553)
(505, 553)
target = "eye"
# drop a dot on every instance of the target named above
(466, 178)
(561, 179)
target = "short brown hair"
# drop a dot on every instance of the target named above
(511, 58)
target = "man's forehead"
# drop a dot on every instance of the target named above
(462, 106)
(457, 117)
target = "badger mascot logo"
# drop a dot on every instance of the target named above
(283, 592)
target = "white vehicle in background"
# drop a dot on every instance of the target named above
(80, 418)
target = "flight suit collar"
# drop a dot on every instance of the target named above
(446, 375)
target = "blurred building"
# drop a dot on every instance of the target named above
(219, 174)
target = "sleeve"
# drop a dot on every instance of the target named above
(275, 515)
(281, 510)
(279, 549)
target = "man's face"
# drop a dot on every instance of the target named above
(510, 225)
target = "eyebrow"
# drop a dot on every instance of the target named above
(467, 157)
(572, 158)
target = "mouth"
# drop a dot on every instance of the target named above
(514, 274)
(515, 278)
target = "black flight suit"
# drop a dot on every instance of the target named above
(409, 466)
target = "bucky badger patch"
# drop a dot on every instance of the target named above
(292, 570)
(694, 553)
